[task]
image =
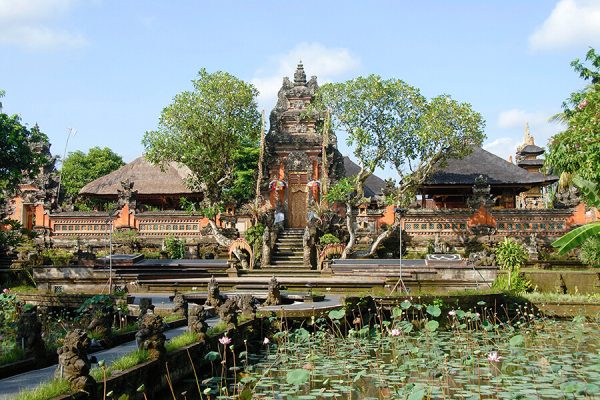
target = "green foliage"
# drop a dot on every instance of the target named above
(242, 188)
(342, 191)
(58, 257)
(590, 251)
(206, 130)
(129, 238)
(577, 149)
(19, 155)
(254, 234)
(175, 247)
(122, 363)
(328, 238)
(10, 355)
(102, 300)
(297, 376)
(14, 234)
(511, 255)
(79, 168)
(45, 391)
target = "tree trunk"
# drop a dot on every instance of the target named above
(382, 236)
(219, 237)
(350, 226)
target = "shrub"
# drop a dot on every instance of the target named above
(510, 256)
(175, 247)
(254, 234)
(58, 257)
(328, 238)
(590, 251)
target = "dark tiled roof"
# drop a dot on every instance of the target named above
(531, 149)
(147, 178)
(373, 185)
(481, 162)
(536, 163)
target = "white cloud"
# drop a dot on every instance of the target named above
(326, 63)
(510, 128)
(25, 23)
(571, 23)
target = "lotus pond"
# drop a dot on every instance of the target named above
(476, 357)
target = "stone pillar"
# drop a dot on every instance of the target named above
(29, 335)
(74, 364)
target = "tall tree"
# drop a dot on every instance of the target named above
(207, 129)
(80, 168)
(576, 150)
(390, 124)
(18, 155)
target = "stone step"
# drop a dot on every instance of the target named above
(285, 258)
(290, 240)
(287, 263)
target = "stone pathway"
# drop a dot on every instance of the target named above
(9, 387)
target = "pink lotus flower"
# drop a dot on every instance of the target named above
(266, 341)
(5, 290)
(225, 340)
(493, 356)
(395, 332)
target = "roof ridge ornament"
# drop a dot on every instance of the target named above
(528, 139)
(300, 75)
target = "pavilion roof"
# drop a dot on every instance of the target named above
(495, 169)
(148, 179)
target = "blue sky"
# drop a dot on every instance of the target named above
(107, 68)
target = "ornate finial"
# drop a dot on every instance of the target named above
(528, 139)
(300, 75)
(510, 159)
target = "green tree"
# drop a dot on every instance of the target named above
(511, 256)
(390, 124)
(207, 130)
(80, 168)
(18, 156)
(576, 150)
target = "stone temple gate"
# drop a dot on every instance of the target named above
(295, 164)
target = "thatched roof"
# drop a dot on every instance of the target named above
(373, 185)
(148, 179)
(496, 170)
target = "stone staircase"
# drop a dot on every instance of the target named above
(288, 251)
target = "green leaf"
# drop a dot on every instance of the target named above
(405, 304)
(432, 325)
(337, 314)
(576, 237)
(359, 375)
(212, 356)
(517, 341)
(434, 310)
(297, 376)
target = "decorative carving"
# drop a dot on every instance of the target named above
(482, 258)
(145, 305)
(74, 364)
(300, 75)
(274, 293)
(180, 305)
(29, 335)
(213, 295)
(228, 313)
(481, 194)
(297, 161)
(532, 248)
(247, 305)
(567, 198)
(197, 320)
(127, 195)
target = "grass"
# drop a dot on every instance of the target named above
(220, 327)
(24, 289)
(12, 355)
(172, 317)
(45, 391)
(121, 364)
(537, 297)
(185, 339)
(127, 328)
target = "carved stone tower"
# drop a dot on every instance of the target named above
(293, 162)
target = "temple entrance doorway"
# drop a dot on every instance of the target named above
(297, 206)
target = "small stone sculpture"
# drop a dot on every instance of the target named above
(213, 296)
(180, 305)
(101, 320)
(150, 336)
(74, 364)
(145, 303)
(197, 320)
(228, 313)
(29, 335)
(274, 293)
(247, 304)
(482, 258)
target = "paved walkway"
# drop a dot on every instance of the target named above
(9, 387)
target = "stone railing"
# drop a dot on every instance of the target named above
(169, 223)
(78, 223)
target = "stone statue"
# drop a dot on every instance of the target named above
(74, 364)
(145, 303)
(531, 247)
(482, 258)
(101, 319)
(29, 335)
(247, 304)
(213, 295)
(127, 196)
(439, 247)
(274, 293)
(481, 194)
(228, 313)
(197, 320)
(150, 336)
(180, 305)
